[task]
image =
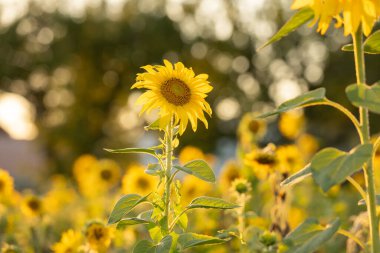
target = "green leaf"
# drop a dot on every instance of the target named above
(362, 201)
(146, 246)
(297, 177)
(122, 224)
(309, 236)
(154, 126)
(310, 97)
(371, 45)
(154, 169)
(132, 150)
(189, 240)
(364, 95)
(199, 169)
(210, 202)
(124, 206)
(298, 19)
(331, 166)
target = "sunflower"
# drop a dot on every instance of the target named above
(263, 162)
(136, 181)
(193, 187)
(230, 172)
(289, 159)
(241, 189)
(32, 206)
(291, 124)
(177, 92)
(308, 145)
(355, 13)
(98, 236)
(250, 130)
(70, 242)
(6, 184)
(108, 173)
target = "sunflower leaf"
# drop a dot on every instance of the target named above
(298, 19)
(297, 177)
(153, 126)
(154, 169)
(371, 45)
(189, 240)
(124, 206)
(365, 96)
(149, 151)
(146, 246)
(199, 169)
(210, 202)
(331, 166)
(122, 224)
(310, 97)
(309, 236)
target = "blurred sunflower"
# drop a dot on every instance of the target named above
(250, 130)
(32, 205)
(82, 166)
(307, 144)
(189, 153)
(289, 159)
(136, 181)
(6, 184)
(59, 196)
(241, 189)
(355, 13)
(262, 161)
(176, 92)
(70, 242)
(108, 173)
(98, 236)
(230, 171)
(291, 124)
(193, 187)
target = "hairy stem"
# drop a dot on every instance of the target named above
(364, 123)
(168, 168)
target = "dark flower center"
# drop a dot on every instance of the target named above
(176, 92)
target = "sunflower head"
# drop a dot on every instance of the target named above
(98, 235)
(32, 205)
(136, 181)
(6, 184)
(241, 189)
(70, 242)
(177, 92)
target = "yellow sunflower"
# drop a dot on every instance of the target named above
(193, 187)
(136, 181)
(291, 124)
(177, 92)
(355, 13)
(70, 242)
(6, 184)
(250, 130)
(230, 171)
(32, 206)
(289, 159)
(98, 236)
(263, 162)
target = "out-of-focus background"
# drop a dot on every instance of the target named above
(67, 68)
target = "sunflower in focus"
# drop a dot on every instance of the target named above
(98, 236)
(6, 184)
(70, 242)
(177, 92)
(263, 162)
(136, 181)
(355, 13)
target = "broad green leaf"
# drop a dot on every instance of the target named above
(310, 97)
(309, 236)
(199, 169)
(366, 96)
(331, 166)
(297, 177)
(132, 150)
(146, 246)
(154, 169)
(362, 201)
(124, 206)
(189, 240)
(371, 45)
(122, 224)
(154, 126)
(298, 19)
(210, 202)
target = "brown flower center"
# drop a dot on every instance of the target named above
(143, 183)
(2, 185)
(265, 159)
(106, 175)
(34, 204)
(176, 92)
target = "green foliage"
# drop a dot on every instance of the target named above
(122, 224)
(371, 45)
(189, 240)
(308, 98)
(124, 206)
(297, 177)
(149, 151)
(199, 169)
(331, 166)
(298, 19)
(365, 96)
(154, 170)
(210, 202)
(362, 202)
(146, 246)
(309, 236)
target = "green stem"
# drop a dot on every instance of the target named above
(168, 168)
(364, 123)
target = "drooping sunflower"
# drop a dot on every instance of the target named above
(177, 92)
(70, 242)
(355, 13)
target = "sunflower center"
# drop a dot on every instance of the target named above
(2, 185)
(176, 92)
(34, 204)
(241, 188)
(265, 159)
(143, 183)
(106, 175)
(98, 233)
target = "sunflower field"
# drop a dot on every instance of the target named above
(168, 126)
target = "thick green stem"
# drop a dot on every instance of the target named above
(364, 123)
(168, 168)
